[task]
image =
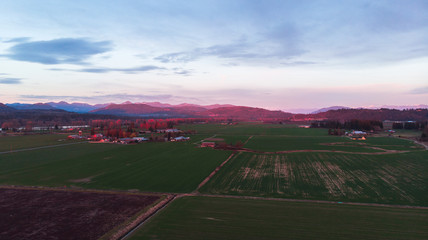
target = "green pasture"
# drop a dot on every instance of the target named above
(393, 143)
(229, 139)
(287, 143)
(157, 167)
(225, 218)
(248, 129)
(8, 143)
(391, 179)
(408, 133)
(283, 137)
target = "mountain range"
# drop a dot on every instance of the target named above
(185, 110)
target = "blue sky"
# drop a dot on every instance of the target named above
(273, 54)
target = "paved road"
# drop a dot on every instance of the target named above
(42, 147)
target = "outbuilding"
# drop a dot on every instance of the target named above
(208, 144)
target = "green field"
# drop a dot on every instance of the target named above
(157, 167)
(8, 143)
(248, 129)
(224, 218)
(279, 137)
(370, 171)
(394, 178)
(372, 144)
(287, 143)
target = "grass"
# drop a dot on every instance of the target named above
(286, 143)
(223, 218)
(283, 137)
(153, 167)
(390, 179)
(248, 129)
(8, 143)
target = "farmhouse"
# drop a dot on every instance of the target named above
(357, 135)
(180, 139)
(127, 140)
(169, 130)
(96, 137)
(71, 137)
(140, 139)
(208, 144)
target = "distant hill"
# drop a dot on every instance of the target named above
(184, 110)
(218, 106)
(329, 108)
(188, 105)
(130, 109)
(25, 106)
(248, 113)
(190, 110)
(76, 107)
(368, 114)
(405, 106)
(6, 109)
(157, 104)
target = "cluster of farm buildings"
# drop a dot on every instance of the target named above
(99, 137)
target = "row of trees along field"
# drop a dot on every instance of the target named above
(367, 125)
(142, 124)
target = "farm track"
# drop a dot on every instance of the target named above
(137, 223)
(200, 141)
(214, 172)
(423, 144)
(248, 140)
(42, 147)
(307, 201)
(325, 151)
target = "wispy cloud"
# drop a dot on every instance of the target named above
(57, 51)
(17, 40)
(422, 90)
(132, 70)
(101, 98)
(123, 70)
(184, 72)
(298, 63)
(10, 80)
(274, 46)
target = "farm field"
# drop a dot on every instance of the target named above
(277, 161)
(248, 129)
(226, 218)
(281, 137)
(151, 167)
(54, 214)
(8, 143)
(392, 179)
(287, 143)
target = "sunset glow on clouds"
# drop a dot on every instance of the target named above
(272, 54)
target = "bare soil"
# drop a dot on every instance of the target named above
(59, 214)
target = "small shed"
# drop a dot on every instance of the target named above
(208, 144)
(179, 139)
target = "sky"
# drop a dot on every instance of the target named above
(280, 55)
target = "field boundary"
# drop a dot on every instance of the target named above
(126, 232)
(214, 172)
(41, 147)
(309, 201)
(323, 151)
(83, 190)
